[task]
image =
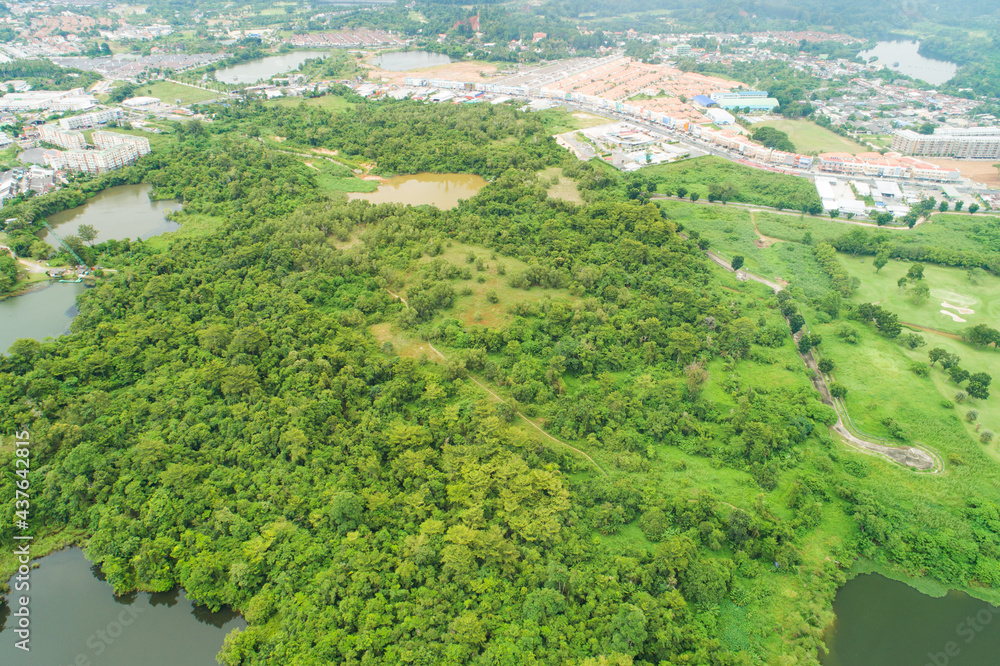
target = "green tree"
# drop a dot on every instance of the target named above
(87, 233)
(737, 262)
(943, 206)
(915, 273)
(958, 205)
(881, 259)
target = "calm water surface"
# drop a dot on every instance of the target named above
(40, 313)
(117, 213)
(910, 62)
(76, 619)
(263, 69)
(436, 189)
(882, 622)
(401, 61)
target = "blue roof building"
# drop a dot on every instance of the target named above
(705, 101)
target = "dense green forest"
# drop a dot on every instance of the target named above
(256, 416)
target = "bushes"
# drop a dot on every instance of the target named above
(843, 283)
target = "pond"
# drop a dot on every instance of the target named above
(40, 313)
(117, 213)
(902, 57)
(402, 61)
(436, 189)
(253, 71)
(76, 619)
(882, 622)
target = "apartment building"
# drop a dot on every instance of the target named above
(93, 119)
(972, 143)
(62, 138)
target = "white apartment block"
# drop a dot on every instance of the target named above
(62, 138)
(114, 152)
(51, 100)
(973, 143)
(110, 139)
(93, 119)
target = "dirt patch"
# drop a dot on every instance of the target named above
(456, 71)
(326, 151)
(762, 240)
(402, 345)
(978, 170)
(277, 138)
(944, 334)
(312, 166)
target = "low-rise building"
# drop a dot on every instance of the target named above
(93, 119)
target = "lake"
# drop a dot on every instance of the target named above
(253, 71)
(882, 622)
(436, 189)
(401, 61)
(76, 619)
(911, 63)
(117, 213)
(40, 313)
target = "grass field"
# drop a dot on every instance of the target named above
(560, 120)
(328, 102)
(193, 225)
(809, 137)
(730, 232)
(949, 286)
(753, 186)
(565, 189)
(169, 92)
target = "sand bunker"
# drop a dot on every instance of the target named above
(953, 316)
(959, 310)
(953, 297)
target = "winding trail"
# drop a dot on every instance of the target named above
(501, 400)
(915, 457)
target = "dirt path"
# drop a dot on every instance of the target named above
(907, 456)
(943, 334)
(765, 241)
(30, 266)
(501, 400)
(766, 209)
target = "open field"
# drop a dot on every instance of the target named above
(328, 102)
(565, 189)
(981, 171)
(753, 186)
(881, 386)
(169, 92)
(809, 137)
(475, 309)
(949, 287)
(193, 225)
(947, 231)
(465, 70)
(560, 120)
(730, 232)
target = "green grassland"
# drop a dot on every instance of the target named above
(559, 186)
(950, 285)
(328, 102)
(169, 91)
(881, 385)
(753, 186)
(809, 137)
(730, 232)
(560, 120)
(946, 231)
